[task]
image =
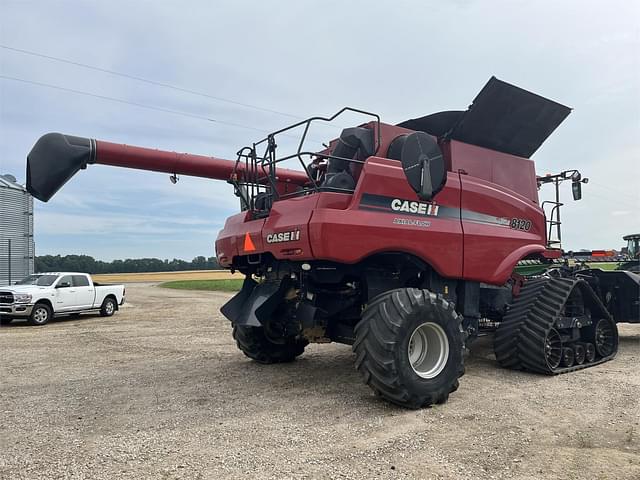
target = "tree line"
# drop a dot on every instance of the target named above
(87, 264)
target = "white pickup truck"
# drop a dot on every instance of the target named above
(38, 298)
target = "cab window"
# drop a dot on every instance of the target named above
(65, 282)
(80, 281)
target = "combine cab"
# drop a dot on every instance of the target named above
(400, 240)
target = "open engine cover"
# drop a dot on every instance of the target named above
(502, 117)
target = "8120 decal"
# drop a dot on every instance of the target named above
(521, 224)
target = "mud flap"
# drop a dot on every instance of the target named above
(254, 302)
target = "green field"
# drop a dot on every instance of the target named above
(225, 285)
(234, 284)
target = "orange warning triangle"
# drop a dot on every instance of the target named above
(248, 243)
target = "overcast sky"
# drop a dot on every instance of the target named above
(401, 59)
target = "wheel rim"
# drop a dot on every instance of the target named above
(604, 338)
(553, 348)
(109, 308)
(428, 350)
(40, 315)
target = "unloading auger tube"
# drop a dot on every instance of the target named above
(56, 157)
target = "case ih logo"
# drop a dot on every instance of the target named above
(290, 236)
(419, 208)
(375, 202)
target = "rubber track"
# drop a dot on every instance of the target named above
(519, 340)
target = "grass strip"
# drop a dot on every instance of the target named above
(227, 285)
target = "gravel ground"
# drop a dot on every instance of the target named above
(160, 391)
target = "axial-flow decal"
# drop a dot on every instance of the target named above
(383, 203)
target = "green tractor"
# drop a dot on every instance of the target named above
(633, 252)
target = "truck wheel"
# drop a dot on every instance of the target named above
(40, 314)
(409, 347)
(108, 307)
(255, 345)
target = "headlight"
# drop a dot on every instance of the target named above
(22, 297)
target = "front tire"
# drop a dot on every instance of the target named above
(253, 342)
(108, 307)
(40, 315)
(409, 347)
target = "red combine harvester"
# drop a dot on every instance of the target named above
(400, 240)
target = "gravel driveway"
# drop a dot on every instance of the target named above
(160, 391)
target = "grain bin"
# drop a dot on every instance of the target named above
(17, 248)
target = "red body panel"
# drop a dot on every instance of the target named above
(509, 171)
(485, 219)
(348, 236)
(493, 247)
(231, 239)
(291, 215)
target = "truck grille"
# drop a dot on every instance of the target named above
(6, 297)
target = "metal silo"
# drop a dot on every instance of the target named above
(17, 249)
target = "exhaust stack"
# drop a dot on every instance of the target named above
(55, 158)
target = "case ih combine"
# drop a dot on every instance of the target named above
(400, 240)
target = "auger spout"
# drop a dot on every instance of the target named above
(55, 158)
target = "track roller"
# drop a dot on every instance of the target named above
(579, 354)
(589, 352)
(568, 357)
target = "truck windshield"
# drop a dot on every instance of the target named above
(40, 280)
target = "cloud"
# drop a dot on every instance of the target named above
(50, 223)
(402, 60)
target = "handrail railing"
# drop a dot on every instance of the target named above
(553, 221)
(257, 184)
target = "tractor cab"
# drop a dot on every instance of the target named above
(633, 253)
(633, 245)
